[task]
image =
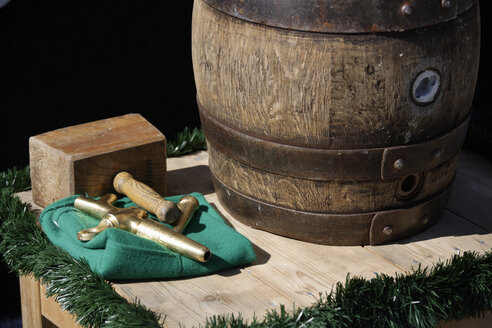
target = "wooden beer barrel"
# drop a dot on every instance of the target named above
(335, 122)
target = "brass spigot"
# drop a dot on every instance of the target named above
(134, 220)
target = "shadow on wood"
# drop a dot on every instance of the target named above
(450, 225)
(198, 179)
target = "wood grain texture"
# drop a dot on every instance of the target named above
(288, 271)
(39, 311)
(331, 196)
(52, 311)
(452, 235)
(349, 16)
(85, 158)
(102, 136)
(328, 91)
(146, 197)
(30, 302)
(338, 91)
(51, 173)
(94, 175)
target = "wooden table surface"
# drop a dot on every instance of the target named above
(292, 272)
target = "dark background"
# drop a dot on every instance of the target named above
(65, 62)
(69, 62)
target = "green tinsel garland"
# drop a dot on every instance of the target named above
(457, 289)
(186, 142)
(27, 251)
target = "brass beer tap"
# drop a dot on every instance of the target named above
(135, 220)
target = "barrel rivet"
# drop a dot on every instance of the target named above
(436, 153)
(406, 9)
(388, 230)
(399, 164)
(424, 220)
(446, 3)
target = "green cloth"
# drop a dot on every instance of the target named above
(117, 254)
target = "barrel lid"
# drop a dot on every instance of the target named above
(347, 16)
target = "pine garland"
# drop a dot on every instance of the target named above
(454, 290)
(186, 142)
(80, 291)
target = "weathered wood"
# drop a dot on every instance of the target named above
(288, 271)
(85, 158)
(30, 302)
(331, 90)
(452, 235)
(52, 311)
(396, 98)
(39, 311)
(349, 16)
(331, 164)
(332, 196)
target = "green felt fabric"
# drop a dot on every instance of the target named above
(117, 254)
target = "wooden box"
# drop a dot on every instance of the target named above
(85, 158)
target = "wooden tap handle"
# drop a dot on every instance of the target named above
(146, 197)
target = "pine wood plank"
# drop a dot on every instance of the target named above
(189, 172)
(472, 193)
(26, 198)
(190, 301)
(52, 311)
(29, 287)
(190, 160)
(305, 267)
(286, 271)
(30, 302)
(293, 271)
(465, 226)
(253, 289)
(451, 235)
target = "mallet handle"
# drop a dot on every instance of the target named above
(146, 197)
